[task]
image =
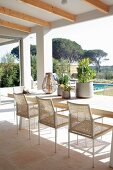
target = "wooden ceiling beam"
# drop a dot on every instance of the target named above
(14, 26)
(23, 16)
(50, 8)
(99, 5)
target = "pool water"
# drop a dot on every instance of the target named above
(99, 86)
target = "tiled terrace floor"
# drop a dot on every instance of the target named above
(17, 152)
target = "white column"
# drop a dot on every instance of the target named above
(21, 62)
(25, 63)
(44, 53)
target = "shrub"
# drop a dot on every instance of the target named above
(84, 72)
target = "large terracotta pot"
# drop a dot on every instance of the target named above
(84, 90)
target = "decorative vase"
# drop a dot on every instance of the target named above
(66, 94)
(59, 91)
(49, 84)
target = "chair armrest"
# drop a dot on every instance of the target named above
(63, 113)
(96, 117)
(63, 110)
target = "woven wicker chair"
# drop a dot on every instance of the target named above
(23, 109)
(17, 90)
(81, 122)
(48, 116)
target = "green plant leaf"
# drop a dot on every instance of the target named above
(84, 72)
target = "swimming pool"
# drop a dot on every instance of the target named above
(101, 86)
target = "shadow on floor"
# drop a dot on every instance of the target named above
(17, 152)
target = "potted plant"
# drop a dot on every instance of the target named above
(84, 86)
(62, 80)
(65, 91)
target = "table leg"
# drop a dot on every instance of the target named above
(111, 155)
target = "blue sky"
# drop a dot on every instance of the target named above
(96, 34)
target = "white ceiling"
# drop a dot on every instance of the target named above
(73, 6)
(80, 8)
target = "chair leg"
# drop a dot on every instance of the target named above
(14, 110)
(38, 133)
(101, 127)
(17, 123)
(77, 139)
(68, 144)
(29, 129)
(85, 142)
(55, 139)
(93, 154)
(34, 123)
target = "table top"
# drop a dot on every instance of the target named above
(100, 105)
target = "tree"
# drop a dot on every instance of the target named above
(10, 71)
(33, 50)
(96, 57)
(66, 49)
(33, 67)
(8, 58)
(10, 76)
(61, 66)
(55, 65)
(1, 73)
(15, 51)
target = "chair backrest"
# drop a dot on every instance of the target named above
(46, 112)
(21, 105)
(80, 119)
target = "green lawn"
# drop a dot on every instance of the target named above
(106, 92)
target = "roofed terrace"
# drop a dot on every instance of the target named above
(19, 18)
